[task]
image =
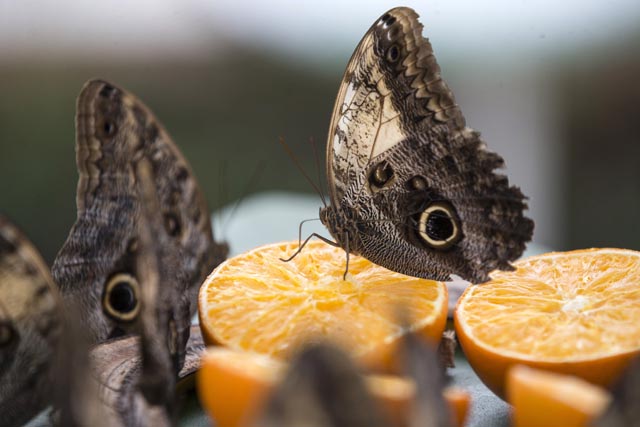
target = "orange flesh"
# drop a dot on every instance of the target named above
(259, 303)
(576, 312)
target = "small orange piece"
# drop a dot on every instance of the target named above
(257, 302)
(233, 386)
(542, 398)
(459, 401)
(574, 313)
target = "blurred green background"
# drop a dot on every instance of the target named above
(553, 88)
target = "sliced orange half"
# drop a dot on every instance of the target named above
(257, 302)
(573, 312)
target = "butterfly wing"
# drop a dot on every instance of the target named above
(29, 327)
(133, 379)
(322, 388)
(94, 267)
(412, 188)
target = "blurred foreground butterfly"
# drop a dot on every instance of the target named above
(411, 187)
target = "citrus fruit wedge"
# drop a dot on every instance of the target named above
(234, 385)
(575, 313)
(257, 302)
(541, 398)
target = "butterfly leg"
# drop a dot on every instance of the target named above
(300, 247)
(346, 269)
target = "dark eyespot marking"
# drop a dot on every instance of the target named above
(450, 163)
(121, 297)
(182, 174)
(384, 18)
(417, 183)
(109, 128)
(389, 22)
(7, 247)
(381, 174)
(7, 334)
(439, 226)
(132, 246)
(393, 53)
(107, 91)
(172, 224)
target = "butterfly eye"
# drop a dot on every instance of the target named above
(381, 174)
(393, 53)
(120, 300)
(438, 226)
(7, 334)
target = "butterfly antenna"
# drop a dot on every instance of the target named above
(301, 169)
(312, 141)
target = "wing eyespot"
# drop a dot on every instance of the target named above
(380, 175)
(7, 334)
(439, 226)
(417, 183)
(393, 53)
(121, 297)
(108, 128)
(172, 224)
(107, 91)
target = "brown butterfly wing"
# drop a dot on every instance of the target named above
(322, 388)
(30, 326)
(132, 380)
(412, 188)
(114, 130)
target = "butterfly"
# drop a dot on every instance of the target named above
(131, 381)
(94, 267)
(30, 327)
(411, 187)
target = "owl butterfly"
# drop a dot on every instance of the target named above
(30, 326)
(323, 388)
(131, 381)
(411, 187)
(94, 268)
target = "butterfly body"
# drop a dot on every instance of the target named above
(412, 188)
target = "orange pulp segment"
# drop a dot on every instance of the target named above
(257, 302)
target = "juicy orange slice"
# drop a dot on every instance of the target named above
(259, 303)
(574, 312)
(541, 398)
(234, 385)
